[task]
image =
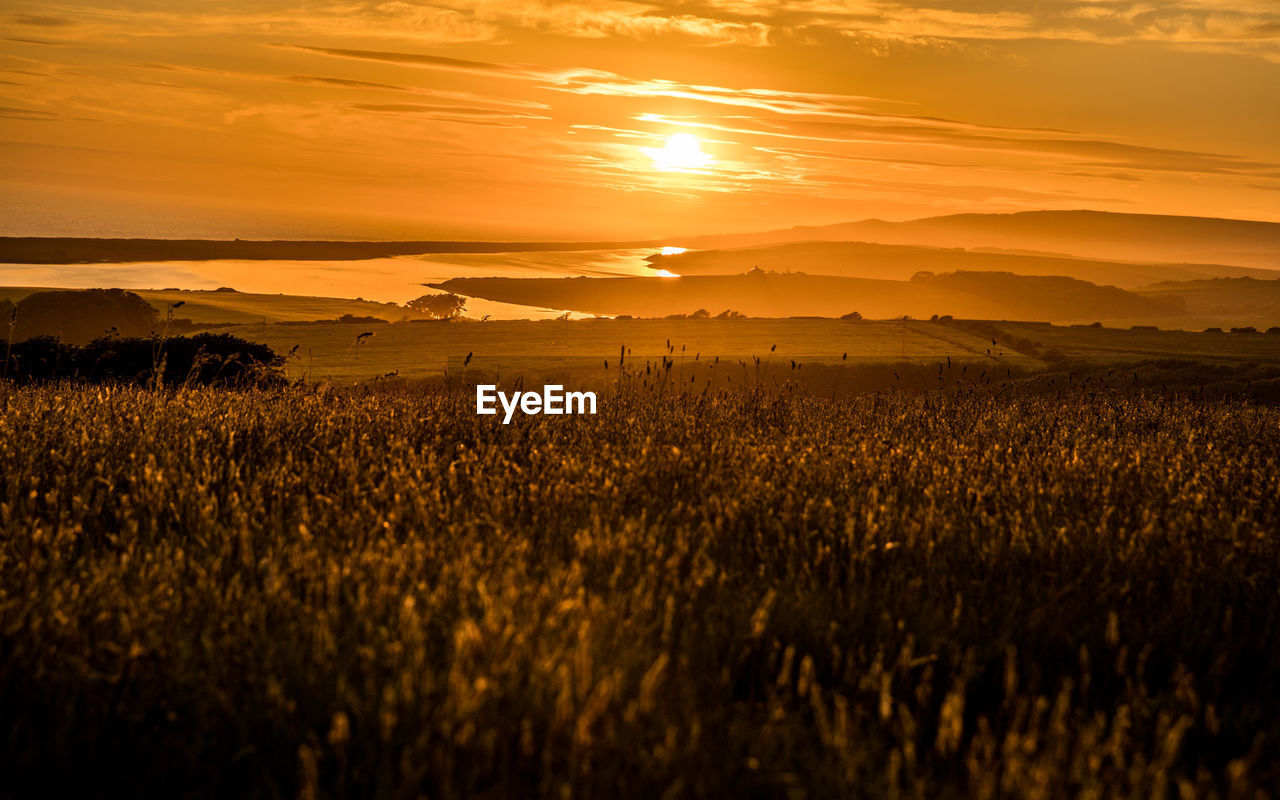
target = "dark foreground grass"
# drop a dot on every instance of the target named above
(320, 594)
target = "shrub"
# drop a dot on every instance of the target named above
(204, 359)
(39, 359)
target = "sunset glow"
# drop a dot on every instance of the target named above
(524, 119)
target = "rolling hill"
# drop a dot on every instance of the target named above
(763, 294)
(1242, 299)
(900, 262)
(1092, 234)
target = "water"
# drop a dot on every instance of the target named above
(395, 280)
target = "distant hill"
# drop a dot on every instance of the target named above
(1092, 234)
(900, 262)
(761, 294)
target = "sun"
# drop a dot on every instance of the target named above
(682, 153)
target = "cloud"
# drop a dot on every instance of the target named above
(947, 136)
(446, 21)
(347, 83)
(42, 20)
(30, 40)
(11, 112)
(598, 19)
(423, 60)
(1247, 27)
(455, 114)
(1242, 27)
(403, 21)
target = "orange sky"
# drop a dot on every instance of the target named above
(532, 119)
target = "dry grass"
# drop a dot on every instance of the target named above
(311, 593)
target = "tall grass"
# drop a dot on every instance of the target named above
(316, 593)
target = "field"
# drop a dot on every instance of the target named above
(338, 592)
(1109, 345)
(425, 349)
(330, 352)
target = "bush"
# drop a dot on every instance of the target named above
(39, 359)
(205, 359)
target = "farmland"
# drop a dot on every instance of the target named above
(368, 592)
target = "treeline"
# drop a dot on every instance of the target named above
(78, 316)
(206, 359)
(1003, 340)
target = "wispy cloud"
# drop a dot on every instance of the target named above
(831, 118)
(1247, 27)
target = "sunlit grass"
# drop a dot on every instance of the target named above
(323, 593)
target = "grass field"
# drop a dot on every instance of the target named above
(425, 349)
(329, 352)
(326, 593)
(508, 347)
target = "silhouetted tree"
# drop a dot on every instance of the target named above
(438, 306)
(78, 317)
